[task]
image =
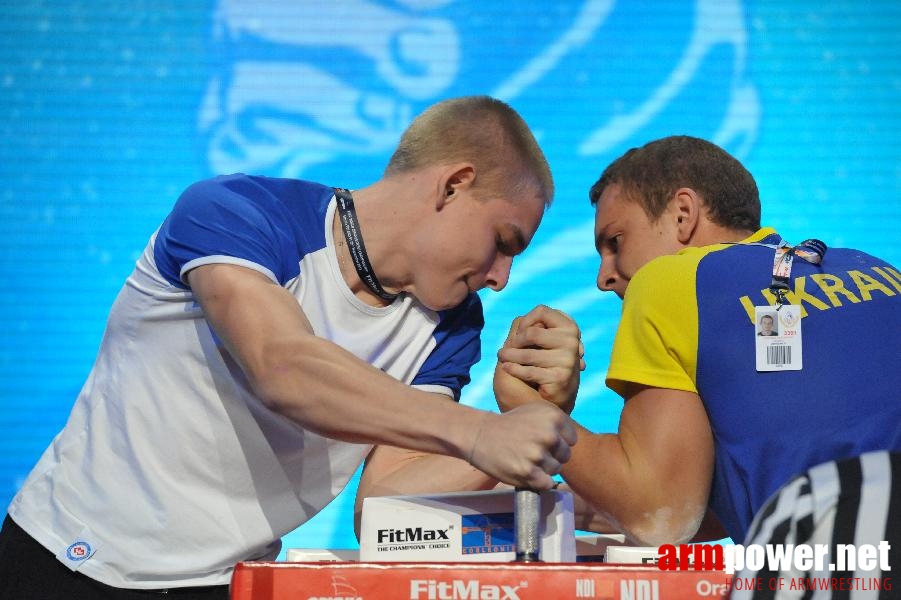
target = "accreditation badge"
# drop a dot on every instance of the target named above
(778, 337)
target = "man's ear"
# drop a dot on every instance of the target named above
(686, 209)
(455, 178)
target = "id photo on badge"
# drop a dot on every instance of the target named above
(767, 325)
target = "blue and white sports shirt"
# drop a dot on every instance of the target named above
(166, 424)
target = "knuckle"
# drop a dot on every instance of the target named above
(530, 335)
(550, 439)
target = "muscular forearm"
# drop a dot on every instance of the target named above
(626, 493)
(332, 401)
(432, 474)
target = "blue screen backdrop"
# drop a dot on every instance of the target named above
(109, 109)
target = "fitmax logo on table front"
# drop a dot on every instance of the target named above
(462, 589)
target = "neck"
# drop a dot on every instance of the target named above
(710, 233)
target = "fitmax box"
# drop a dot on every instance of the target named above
(461, 527)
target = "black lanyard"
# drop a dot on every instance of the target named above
(354, 238)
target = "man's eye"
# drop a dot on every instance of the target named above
(613, 243)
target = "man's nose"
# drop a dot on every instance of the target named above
(607, 277)
(499, 274)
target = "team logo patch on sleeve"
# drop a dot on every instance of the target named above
(79, 551)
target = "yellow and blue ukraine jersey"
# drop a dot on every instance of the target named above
(688, 324)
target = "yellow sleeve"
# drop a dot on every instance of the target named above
(656, 342)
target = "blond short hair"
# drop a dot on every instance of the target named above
(482, 130)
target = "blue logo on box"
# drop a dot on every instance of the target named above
(486, 533)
